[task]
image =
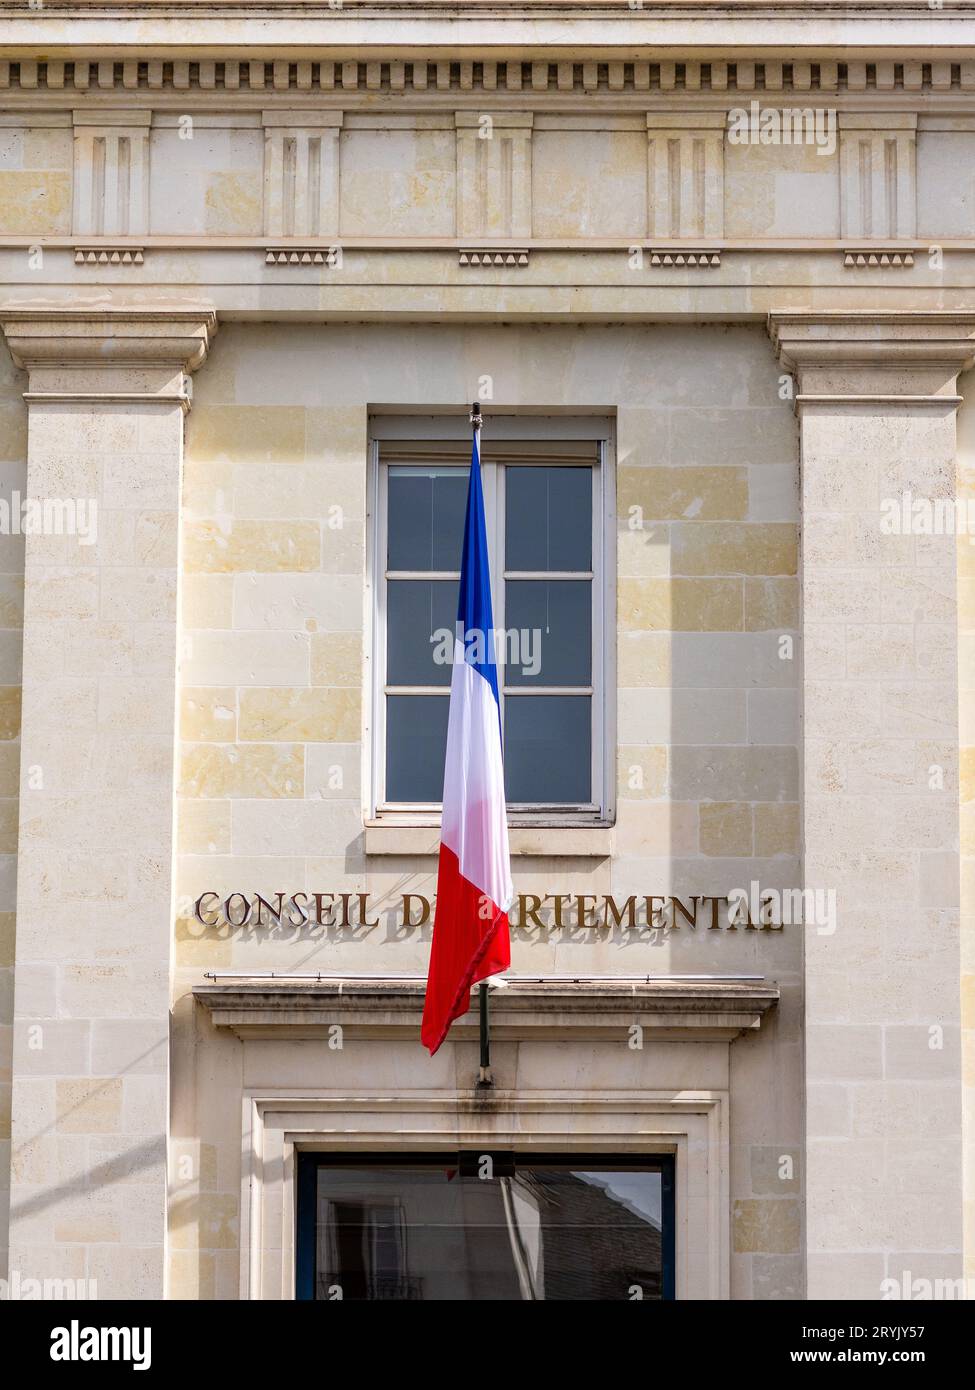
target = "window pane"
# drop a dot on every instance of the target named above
(548, 637)
(426, 509)
(416, 610)
(416, 743)
(548, 518)
(547, 748)
(579, 1228)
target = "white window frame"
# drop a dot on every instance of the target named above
(601, 811)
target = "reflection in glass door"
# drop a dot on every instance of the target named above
(485, 1226)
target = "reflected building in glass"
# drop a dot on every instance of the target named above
(503, 1229)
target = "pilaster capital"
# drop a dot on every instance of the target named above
(87, 337)
(104, 354)
(893, 357)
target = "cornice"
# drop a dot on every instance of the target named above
(596, 26)
(605, 1008)
(511, 9)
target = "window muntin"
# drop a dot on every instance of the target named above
(545, 515)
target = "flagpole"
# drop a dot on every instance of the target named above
(484, 1078)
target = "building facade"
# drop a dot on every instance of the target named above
(710, 275)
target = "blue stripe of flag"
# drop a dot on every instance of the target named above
(474, 599)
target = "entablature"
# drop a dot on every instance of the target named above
(676, 159)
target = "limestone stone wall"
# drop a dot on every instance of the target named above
(966, 719)
(272, 686)
(13, 477)
(36, 176)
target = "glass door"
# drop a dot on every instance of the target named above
(492, 1226)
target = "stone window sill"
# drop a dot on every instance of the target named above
(558, 841)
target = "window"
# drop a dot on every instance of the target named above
(366, 1241)
(418, 1227)
(546, 507)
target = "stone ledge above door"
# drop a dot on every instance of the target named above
(607, 1008)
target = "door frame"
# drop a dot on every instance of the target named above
(692, 1126)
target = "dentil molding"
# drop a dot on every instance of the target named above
(487, 75)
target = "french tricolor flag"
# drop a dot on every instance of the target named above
(474, 891)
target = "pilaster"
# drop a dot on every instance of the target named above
(111, 173)
(494, 174)
(106, 396)
(878, 185)
(876, 399)
(301, 173)
(685, 175)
